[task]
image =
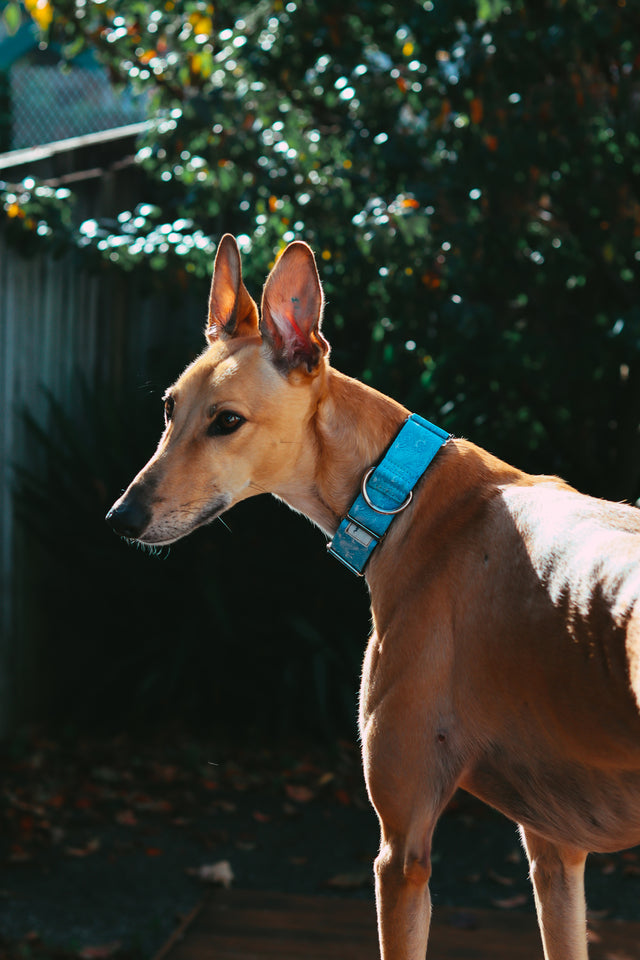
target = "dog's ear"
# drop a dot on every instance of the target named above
(232, 311)
(292, 303)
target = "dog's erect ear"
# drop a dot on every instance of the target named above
(292, 303)
(232, 312)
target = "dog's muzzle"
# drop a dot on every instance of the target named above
(129, 517)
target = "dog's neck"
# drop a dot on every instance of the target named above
(350, 427)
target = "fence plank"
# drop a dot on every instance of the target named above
(57, 320)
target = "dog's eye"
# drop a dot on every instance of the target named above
(169, 405)
(226, 422)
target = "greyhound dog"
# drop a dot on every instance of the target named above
(505, 652)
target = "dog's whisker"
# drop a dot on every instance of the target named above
(160, 552)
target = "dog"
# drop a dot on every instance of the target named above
(505, 652)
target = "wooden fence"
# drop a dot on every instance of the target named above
(57, 320)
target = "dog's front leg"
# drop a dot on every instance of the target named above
(409, 787)
(557, 873)
(403, 902)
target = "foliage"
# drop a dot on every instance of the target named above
(467, 173)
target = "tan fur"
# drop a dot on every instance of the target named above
(504, 657)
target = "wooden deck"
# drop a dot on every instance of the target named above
(247, 925)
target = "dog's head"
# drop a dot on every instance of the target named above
(235, 420)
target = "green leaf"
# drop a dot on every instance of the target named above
(12, 17)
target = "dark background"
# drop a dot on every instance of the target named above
(467, 174)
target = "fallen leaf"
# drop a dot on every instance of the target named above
(510, 903)
(352, 880)
(261, 817)
(141, 800)
(597, 914)
(514, 856)
(246, 845)
(167, 773)
(501, 879)
(101, 951)
(298, 792)
(18, 854)
(153, 852)
(90, 847)
(127, 818)
(326, 778)
(218, 873)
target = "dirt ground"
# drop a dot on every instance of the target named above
(105, 845)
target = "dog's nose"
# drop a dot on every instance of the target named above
(128, 517)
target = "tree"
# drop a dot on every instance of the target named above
(467, 173)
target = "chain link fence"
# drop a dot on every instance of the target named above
(48, 104)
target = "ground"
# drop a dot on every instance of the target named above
(106, 844)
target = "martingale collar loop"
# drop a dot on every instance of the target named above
(386, 491)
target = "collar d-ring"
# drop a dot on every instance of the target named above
(368, 501)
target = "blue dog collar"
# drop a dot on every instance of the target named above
(386, 491)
